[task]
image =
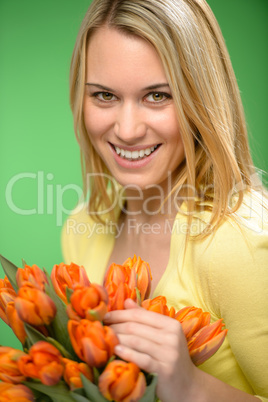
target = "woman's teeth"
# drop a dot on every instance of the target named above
(134, 155)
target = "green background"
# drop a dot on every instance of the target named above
(38, 150)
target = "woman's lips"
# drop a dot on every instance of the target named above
(134, 157)
(135, 153)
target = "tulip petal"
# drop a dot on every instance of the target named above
(204, 352)
(181, 314)
(15, 322)
(125, 383)
(205, 334)
(72, 327)
(138, 391)
(26, 311)
(92, 355)
(98, 313)
(105, 380)
(190, 326)
(51, 374)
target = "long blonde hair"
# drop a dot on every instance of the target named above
(190, 44)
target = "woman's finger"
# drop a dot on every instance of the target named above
(142, 316)
(152, 334)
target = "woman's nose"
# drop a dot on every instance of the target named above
(130, 125)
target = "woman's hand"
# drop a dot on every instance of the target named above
(156, 343)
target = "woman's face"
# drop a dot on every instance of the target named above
(129, 112)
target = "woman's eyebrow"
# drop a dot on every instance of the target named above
(156, 86)
(99, 86)
(150, 87)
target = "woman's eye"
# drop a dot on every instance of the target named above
(105, 96)
(157, 97)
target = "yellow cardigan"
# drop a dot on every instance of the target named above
(226, 275)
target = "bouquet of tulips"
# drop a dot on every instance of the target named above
(68, 353)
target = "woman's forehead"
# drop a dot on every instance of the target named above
(122, 59)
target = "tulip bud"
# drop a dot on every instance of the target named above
(192, 320)
(5, 283)
(6, 295)
(158, 305)
(12, 393)
(129, 263)
(34, 306)
(9, 370)
(72, 371)
(88, 302)
(118, 295)
(44, 362)
(120, 283)
(144, 276)
(32, 274)
(206, 342)
(116, 274)
(92, 342)
(122, 382)
(67, 276)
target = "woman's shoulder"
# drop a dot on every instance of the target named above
(241, 241)
(242, 237)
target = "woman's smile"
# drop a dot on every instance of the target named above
(129, 111)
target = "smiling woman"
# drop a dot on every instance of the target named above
(160, 126)
(166, 161)
(134, 131)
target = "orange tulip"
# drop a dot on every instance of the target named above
(158, 305)
(44, 362)
(72, 371)
(9, 371)
(34, 306)
(116, 274)
(143, 272)
(88, 302)
(67, 276)
(15, 322)
(192, 320)
(5, 283)
(32, 274)
(118, 294)
(122, 382)
(7, 295)
(206, 342)
(120, 283)
(15, 393)
(92, 342)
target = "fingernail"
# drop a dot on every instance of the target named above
(118, 349)
(107, 317)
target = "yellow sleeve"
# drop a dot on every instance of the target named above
(238, 269)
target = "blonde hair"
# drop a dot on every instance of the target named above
(190, 44)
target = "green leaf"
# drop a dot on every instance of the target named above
(96, 375)
(69, 293)
(33, 335)
(92, 391)
(43, 398)
(59, 324)
(138, 294)
(10, 271)
(79, 397)
(58, 393)
(150, 392)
